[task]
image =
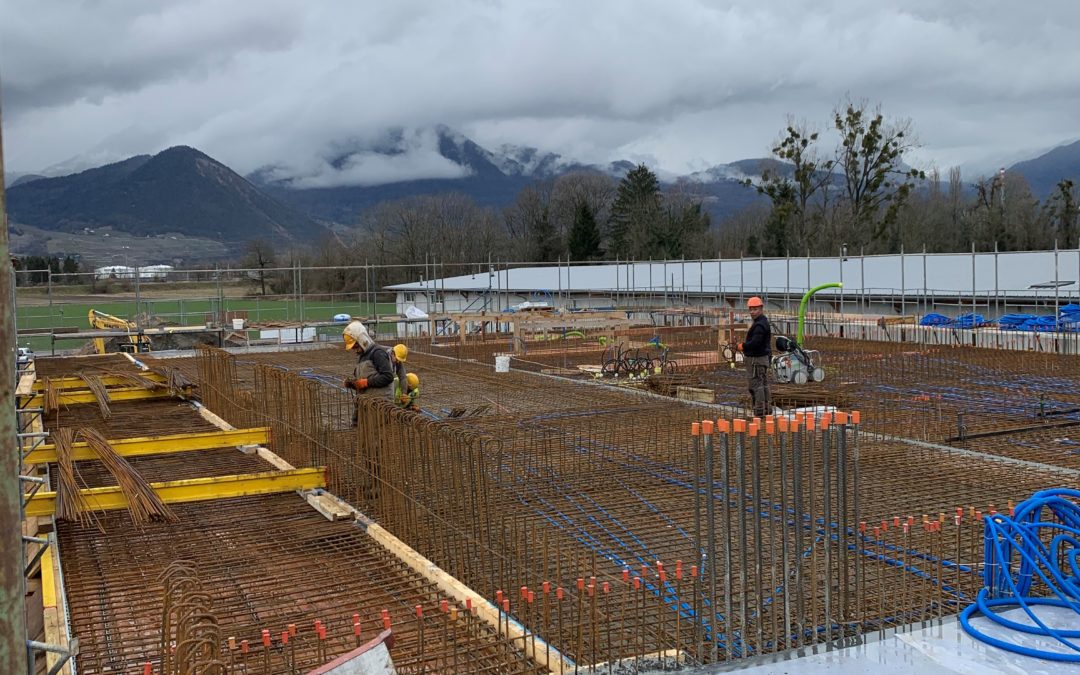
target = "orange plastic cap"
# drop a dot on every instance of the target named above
(738, 426)
(695, 428)
(707, 427)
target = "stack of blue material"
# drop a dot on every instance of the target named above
(1068, 319)
(1015, 321)
(935, 320)
(970, 321)
(962, 321)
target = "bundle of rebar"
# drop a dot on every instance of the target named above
(143, 503)
(100, 391)
(70, 502)
(51, 398)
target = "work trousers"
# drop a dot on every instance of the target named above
(757, 373)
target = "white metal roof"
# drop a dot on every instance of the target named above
(913, 274)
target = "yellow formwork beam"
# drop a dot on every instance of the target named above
(192, 490)
(158, 445)
(48, 579)
(87, 396)
(76, 382)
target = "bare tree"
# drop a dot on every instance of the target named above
(796, 188)
(260, 256)
(876, 182)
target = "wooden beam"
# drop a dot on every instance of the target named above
(26, 385)
(193, 490)
(158, 445)
(262, 451)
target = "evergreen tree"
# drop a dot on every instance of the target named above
(635, 215)
(584, 238)
(680, 229)
(543, 239)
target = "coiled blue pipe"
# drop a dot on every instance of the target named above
(1040, 542)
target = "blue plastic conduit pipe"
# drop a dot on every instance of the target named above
(1039, 542)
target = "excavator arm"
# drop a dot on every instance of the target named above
(103, 321)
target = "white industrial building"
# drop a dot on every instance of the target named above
(145, 273)
(951, 284)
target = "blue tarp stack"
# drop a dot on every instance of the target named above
(1068, 319)
(962, 321)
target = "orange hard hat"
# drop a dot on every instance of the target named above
(755, 302)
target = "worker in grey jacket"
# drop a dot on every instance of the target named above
(377, 366)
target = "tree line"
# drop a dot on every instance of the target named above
(35, 269)
(860, 194)
(863, 195)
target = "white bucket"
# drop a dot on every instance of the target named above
(502, 364)
(238, 324)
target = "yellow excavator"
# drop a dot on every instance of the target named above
(103, 321)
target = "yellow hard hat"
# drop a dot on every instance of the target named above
(401, 352)
(755, 302)
(356, 334)
(413, 380)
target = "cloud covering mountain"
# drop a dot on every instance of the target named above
(680, 86)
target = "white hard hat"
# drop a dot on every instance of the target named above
(356, 334)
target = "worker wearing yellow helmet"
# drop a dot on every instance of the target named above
(407, 398)
(757, 348)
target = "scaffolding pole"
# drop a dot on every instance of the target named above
(12, 582)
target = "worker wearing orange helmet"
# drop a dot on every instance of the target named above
(757, 350)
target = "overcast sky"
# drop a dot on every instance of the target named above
(678, 84)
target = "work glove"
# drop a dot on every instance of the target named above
(356, 385)
(404, 398)
(739, 346)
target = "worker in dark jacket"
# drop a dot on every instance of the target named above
(377, 366)
(757, 350)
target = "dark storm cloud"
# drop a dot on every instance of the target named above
(677, 83)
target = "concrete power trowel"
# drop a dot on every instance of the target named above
(793, 363)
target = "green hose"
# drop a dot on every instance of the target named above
(802, 307)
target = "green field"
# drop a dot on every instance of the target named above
(182, 312)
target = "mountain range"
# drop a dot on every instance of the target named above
(183, 193)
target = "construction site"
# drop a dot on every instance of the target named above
(578, 491)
